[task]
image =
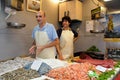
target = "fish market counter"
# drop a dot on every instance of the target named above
(28, 68)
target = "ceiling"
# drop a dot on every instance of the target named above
(113, 5)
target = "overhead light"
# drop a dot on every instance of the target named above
(107, 0)
(55, 1)
(62, 0)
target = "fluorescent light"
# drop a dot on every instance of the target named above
(62, 0)
(55, 1)
(107, 0)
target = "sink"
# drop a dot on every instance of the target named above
(15, 25)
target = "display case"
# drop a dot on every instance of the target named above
(112, 48)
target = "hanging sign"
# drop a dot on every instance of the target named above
(97, 13)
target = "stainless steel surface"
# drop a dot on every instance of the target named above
(15, 25)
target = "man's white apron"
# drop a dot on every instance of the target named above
(66, 43)
(41, 39)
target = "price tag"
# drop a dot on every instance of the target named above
(101, 68)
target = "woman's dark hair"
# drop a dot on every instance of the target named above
(67, 18)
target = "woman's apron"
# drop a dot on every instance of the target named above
(41, 39)
(66, 43)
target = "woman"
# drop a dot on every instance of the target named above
(67, 36)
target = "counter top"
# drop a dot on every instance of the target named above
(112, 39)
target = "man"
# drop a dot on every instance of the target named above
(45, 38)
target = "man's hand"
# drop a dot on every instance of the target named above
(40, 48)
(32, 50)
(60, 57)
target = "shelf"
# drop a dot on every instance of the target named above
(112, 39)
(96, 32)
